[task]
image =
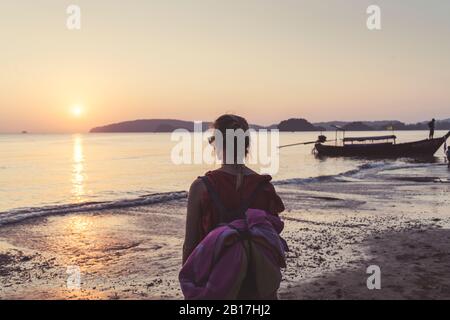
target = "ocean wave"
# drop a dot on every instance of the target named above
(363, 171)
(18, 215)
(421, 179)
(370, 169)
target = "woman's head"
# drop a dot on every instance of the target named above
(236, 128)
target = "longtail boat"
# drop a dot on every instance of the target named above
(380, 146)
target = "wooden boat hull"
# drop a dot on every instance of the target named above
(423, 148)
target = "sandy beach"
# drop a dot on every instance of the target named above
(335, 230)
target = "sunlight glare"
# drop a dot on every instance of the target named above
(77, 110)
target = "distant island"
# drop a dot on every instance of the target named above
(443, 124)
(357, 126)
(148, 125)
(289, 125)
(298, 125)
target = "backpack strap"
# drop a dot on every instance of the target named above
(226, 215)
(215, 198)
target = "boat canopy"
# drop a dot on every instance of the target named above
(360, 139)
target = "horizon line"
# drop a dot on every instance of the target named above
(207, 121)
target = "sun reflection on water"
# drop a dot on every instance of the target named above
(78, 175)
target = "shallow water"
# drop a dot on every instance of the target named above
(335, 226)
(66, 170)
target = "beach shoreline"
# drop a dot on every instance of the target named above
(334, 229)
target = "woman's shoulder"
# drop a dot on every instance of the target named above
(248, 173)
(197, 188)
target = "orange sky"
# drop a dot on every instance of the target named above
(267, 60)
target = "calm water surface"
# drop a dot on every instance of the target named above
(54, 169)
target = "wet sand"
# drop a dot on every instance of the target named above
(335, 230)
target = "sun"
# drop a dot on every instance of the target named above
(77, 110)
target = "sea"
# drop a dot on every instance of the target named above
(43, 174)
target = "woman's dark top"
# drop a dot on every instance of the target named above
(225, 185)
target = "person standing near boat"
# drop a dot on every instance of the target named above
(447, 153)
(432, 125)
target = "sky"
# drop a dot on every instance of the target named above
(267, 60)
